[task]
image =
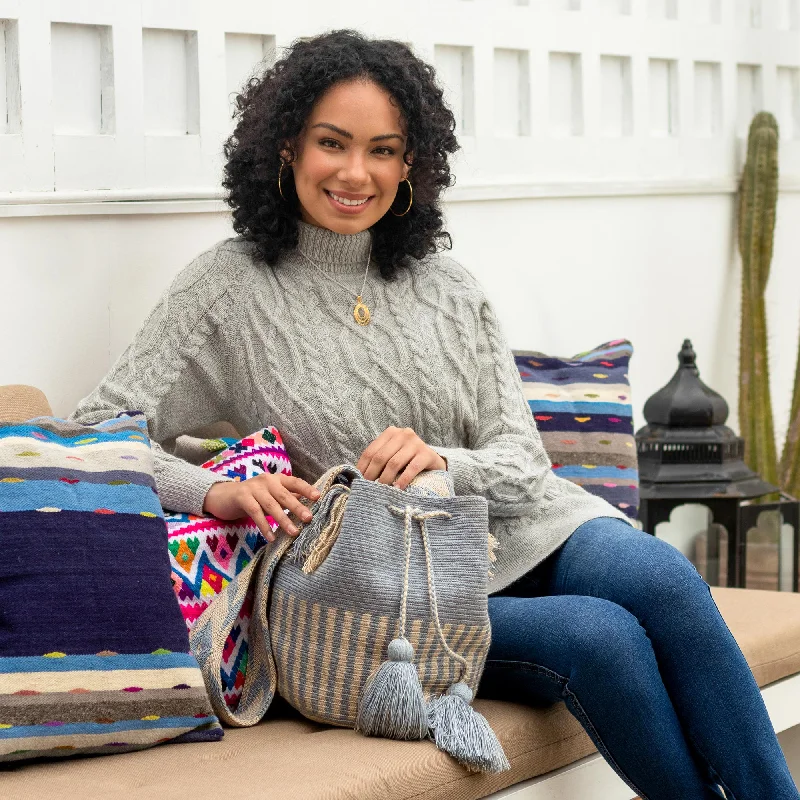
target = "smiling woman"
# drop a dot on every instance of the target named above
(346, 170)
(345, 133)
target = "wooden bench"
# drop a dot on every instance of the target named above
(287, 757)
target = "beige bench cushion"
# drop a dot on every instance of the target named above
(292, 758)
(19, 403)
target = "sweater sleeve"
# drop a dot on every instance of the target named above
(506, 461)
(175, 372)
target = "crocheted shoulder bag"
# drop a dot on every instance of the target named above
(374, 617)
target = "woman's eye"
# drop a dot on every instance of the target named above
(333, 144)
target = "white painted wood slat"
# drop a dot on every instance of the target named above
(10, 111)
(98, 96)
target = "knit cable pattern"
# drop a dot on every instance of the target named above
(237, 340)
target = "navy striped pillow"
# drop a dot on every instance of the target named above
(94, 654)
(582, 407)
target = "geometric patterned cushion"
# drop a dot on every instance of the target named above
(94, 656)
(582, 407)
(206, 553)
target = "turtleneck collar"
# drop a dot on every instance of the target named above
(337, 253)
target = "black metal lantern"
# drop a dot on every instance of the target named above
(687, 454)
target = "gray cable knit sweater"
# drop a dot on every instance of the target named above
(233, 339)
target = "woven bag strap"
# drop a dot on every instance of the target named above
(210, 632)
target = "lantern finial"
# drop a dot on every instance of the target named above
(687, 356)
(686, 402)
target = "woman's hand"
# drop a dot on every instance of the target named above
(397, 456)
(256, 497)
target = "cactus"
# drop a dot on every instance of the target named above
(789, 474)
(758, 195)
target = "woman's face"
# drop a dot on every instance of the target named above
(349, 158)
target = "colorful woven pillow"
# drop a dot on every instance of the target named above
(582, 407)
(94, 655)
(206, 553)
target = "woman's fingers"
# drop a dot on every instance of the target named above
(386, 447)
(254, 510)
(293, 505)
(269, 505)
(412, 469)
(397, 463)
(273, 495)
(300, 487)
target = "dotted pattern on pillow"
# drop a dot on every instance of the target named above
(94, 655)
(582, 407)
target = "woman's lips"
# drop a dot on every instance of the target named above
(344, 209)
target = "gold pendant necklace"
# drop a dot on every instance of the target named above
(361, 313)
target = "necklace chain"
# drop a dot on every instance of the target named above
(361, 313)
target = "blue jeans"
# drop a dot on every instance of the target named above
(620, 626)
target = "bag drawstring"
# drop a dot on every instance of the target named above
(392, 697)
(392, 703)
(457, 727)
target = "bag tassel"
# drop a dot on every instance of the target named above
(392, 703)
(457, 728)
(463, 733)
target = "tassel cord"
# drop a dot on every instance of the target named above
(404, 598)
(392, 702)
(434, 604)
(410, 513)
(455, 726)
(450, 720)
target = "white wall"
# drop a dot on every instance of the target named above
(566, 274)
(595, 193)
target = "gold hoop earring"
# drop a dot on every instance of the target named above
(410, 199)
(280, 172)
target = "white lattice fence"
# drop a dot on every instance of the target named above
(552, 96)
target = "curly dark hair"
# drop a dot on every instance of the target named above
(273, 108)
